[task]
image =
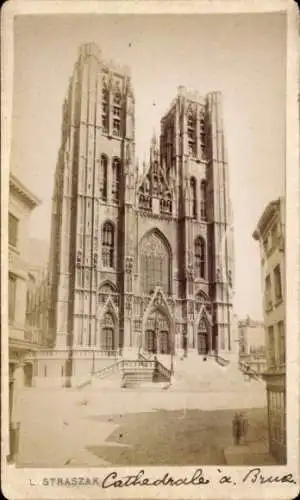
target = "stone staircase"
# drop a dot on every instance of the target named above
(130, 373)
(213, 374)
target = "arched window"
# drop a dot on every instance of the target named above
(191, 132)
(104, 108)
(108, 245)
(193, 198)
(202, 134)
(115, 191)
(107, 333)
(203, 200)
(154, 264)
(103, 178)
(117, 114)
(200, 257)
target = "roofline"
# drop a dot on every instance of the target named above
(31, 200)
(267, 214)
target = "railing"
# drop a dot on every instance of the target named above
(100, 373)
(247, 370)
(144, 358)
(107, 369)
(137, 363)
(219, 359)
(163, 370)
(81, 353)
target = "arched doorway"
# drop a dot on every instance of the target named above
(157, 333)
(203, 337)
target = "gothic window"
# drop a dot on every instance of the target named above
(105, 108)
(108, 333)
(103, 178)
(200, 257)
(115, 179)
(145, 201)
(202, 135)
(203, 200)
(193, 197)
(117, 114)
(79, 258)
(108, 245)
(191, 132)
(166, 204)
(154, 264)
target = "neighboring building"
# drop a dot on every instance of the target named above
(270, 233)
(252, 350)
(38, 294)
(22, 341)
(138, 263)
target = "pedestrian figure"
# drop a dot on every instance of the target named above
(236, 429)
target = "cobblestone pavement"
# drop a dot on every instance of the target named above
(63, 427)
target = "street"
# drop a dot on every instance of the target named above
(100, 428)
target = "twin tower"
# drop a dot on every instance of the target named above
(141, 259)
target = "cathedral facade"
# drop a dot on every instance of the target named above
(141, 256)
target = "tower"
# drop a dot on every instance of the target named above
(192, 145)
(94, 168)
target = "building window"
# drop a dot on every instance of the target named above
(203, 200)
(108, 245)
(105, 118)
(117, 115)
(155, 264)
(281, 343)
(268, 293)
(202, 135)
(191, 132)
(116, 127)
(166, 204)
(13, 224)
(103, 178)
(200, 258)
(193, 197)
(115, 180)
(12, 288)
(271, 347)
(277, 283)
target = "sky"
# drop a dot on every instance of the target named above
(241, 55)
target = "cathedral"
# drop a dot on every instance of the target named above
(141, 257)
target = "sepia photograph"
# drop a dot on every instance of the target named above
(146, 247)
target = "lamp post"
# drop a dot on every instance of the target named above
(172, 353)
(93, 362)
(156, 330)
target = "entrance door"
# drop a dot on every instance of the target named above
(164, 342)
(203, 346)
(157, 333)
(151, 344)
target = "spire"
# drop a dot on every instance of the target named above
(154, 149)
